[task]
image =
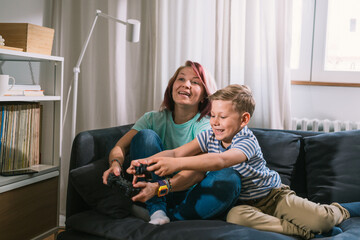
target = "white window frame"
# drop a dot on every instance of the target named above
(313, 43)
(303, 73)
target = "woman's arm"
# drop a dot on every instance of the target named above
(181, 181)
(186, 179)
(119, 152)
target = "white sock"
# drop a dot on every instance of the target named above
(159, 218)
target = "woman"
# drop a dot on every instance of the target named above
(184, 113)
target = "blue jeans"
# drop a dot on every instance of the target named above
(145, 144)
(211, 198)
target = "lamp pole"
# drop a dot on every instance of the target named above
(133, 34)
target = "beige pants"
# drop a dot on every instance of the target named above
(282, 211)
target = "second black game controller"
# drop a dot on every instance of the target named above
(142, 170)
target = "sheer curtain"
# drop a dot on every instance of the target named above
(238, 41)
(253, 48)
(267, 61)
(103, 91)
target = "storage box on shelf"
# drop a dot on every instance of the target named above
(28, 37)
(29, 203)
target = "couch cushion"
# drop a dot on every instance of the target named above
(71, 234)
(134, 228)
(332, 167)
(87, 180)
(281, 151)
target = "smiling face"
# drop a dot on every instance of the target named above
(187, 89)
(225, 121)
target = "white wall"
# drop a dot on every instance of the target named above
(333, 103)
(36, 12)
(26, 11)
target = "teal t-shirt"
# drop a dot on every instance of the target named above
(172, 135)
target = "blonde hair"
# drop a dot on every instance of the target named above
(240, 96)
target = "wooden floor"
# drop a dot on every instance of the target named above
(53, 236)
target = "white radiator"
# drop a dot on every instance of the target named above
(326, 125)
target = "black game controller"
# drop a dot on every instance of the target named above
(122, 185)
(142, 170)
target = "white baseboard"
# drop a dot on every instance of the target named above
(62, 221)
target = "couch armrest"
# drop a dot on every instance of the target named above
(89, 146)
(92, 145)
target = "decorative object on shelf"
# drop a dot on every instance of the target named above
(15, 172)
(2, 41)
(25, 90)
(34, 93)
(132, 35)
(11, 48)
(4, 83)
(30, 37)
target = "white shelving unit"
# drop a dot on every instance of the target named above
(35, 187)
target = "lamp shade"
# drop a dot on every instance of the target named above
(133, 30)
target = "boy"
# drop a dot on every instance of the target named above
(266, 203)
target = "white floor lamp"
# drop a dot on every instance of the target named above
(132, 35)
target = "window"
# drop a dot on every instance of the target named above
(326, 41)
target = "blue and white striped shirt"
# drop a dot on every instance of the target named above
(257, 180)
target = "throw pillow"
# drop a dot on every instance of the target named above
(332, 167)
(87, 180)
(280, 150)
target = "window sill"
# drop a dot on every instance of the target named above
(331, 84)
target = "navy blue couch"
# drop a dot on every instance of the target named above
(323, 167)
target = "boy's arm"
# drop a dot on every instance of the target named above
(212, 161)
(136, 163)
(205, 162)
(189, 149)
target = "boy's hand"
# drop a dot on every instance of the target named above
(163, 166)
(136, 163)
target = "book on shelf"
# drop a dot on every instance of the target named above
(26, 87)
(33, 92)
(19, 135)
(25, 90)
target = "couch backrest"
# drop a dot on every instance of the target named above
(283, 151)
(322, 167)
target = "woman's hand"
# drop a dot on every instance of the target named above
(114, 168)
(148, 190)
(163, 166)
